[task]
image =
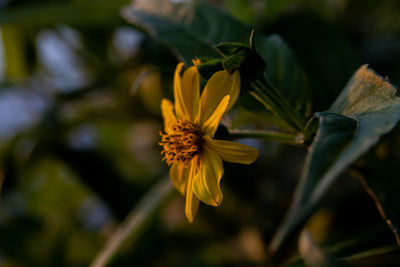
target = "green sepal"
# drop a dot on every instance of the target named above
(243, 57)
(209, 66)
(228, 49)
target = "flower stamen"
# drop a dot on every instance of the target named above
(182, 143)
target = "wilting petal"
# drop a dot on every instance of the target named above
(206, 182)
(179, 101)
(179, 174)
(211, 125)
(218, 86)
(192, 202)
(231, 151)
(167, 111)
(191, 92)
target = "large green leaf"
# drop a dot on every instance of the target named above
(192, 30)
(284, 71)
(367, 108)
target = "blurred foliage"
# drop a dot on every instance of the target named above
(80, 88)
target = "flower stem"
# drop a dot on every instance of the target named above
(273, 100)
(286, 138)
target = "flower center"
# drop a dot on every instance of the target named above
(182, 143)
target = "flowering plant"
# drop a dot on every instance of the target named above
(278, 138)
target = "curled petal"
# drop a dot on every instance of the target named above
(218, 86)
(232, 152)
(206, 182)
(167, 111)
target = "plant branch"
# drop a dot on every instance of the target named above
(286, 138)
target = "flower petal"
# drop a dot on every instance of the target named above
(167, 111)
(218, 86)
(211, 125)
(192, 202)
(179, 103)
(191, 206)
(179, 174)
(206, 182)
(191, 92)
(231, 151)
(235, 89)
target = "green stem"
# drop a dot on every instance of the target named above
(286, 138)
(273, 100)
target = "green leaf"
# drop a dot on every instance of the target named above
(284, 72)
(366, 109)
(229, 49)
(193, 29)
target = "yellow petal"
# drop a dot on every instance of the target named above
(167, 111)
(192, 202)
(192, 205)
(211, 125)
(235, 89)
(231, 151)
(179, 174)
(206, 182)
(179, 103)
(191, 92)
(218, 86)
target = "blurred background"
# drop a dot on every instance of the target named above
(80, 90)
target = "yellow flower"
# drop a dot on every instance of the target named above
(189, 149)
